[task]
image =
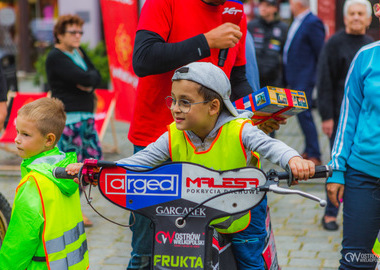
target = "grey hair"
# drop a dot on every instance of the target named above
(349, 3)
(305, 3)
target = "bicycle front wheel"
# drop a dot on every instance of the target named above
(5, 216)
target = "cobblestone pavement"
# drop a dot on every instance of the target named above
(300, 240)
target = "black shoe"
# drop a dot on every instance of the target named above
(329, 226)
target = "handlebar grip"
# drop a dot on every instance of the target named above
(323, 171)
(104, 163)
(60, 172)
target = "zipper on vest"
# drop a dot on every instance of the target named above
(203, 146)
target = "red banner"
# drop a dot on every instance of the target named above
(326, 12)
(19, 100)
(120, 22)
(104, 108)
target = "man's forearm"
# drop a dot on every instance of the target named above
(239, 83)
(152, 55)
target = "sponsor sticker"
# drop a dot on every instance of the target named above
(180, 239)
(152, 184)
(180, 211)
(227, 183)
(181, 262)
(115, 183)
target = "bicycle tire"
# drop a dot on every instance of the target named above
(5, 216)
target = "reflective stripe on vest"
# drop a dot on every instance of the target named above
(72, 258)
(376, 247)
(64, 237)
(225, 153)
(68, 237)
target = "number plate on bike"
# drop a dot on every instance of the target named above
(135, 190)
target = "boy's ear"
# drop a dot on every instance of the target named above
(50, 139)
(214, 106)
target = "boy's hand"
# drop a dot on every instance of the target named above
(74, 169)
(302, 169)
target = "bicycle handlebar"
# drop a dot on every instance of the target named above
(323, 171)
(60, 172)
(89, 169)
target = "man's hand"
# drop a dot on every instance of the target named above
(334, 191)
(224, 36)
(328, 127)
(271, 125)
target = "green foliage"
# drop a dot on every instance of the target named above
(40, 77)
(97, 55)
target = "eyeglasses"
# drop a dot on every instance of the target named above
(183, 104)
(75, 32)
(376, 7)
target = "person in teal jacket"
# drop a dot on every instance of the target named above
(356, 160)
(46, 215)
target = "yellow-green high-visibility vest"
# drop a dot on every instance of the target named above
(376, 246)
(225, 153)
(63, 238)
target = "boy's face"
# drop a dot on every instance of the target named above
(199, 118)
(29, 140)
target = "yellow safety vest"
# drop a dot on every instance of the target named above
(225, 153)
(376, 246)
(64, 238)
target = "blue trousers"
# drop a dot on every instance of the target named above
(248, 245)
(361, 220)
(308, 128)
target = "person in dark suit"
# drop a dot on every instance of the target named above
(304, 42)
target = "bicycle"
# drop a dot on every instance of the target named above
(181, 199)
(5, 216)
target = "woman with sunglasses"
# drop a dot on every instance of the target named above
(356, 159)
(72, 78)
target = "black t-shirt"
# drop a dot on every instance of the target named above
(333, 64)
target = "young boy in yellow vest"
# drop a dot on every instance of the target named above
(46, 229)
(208, 130)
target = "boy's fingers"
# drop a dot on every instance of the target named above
(311, 168)
(302, 170)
